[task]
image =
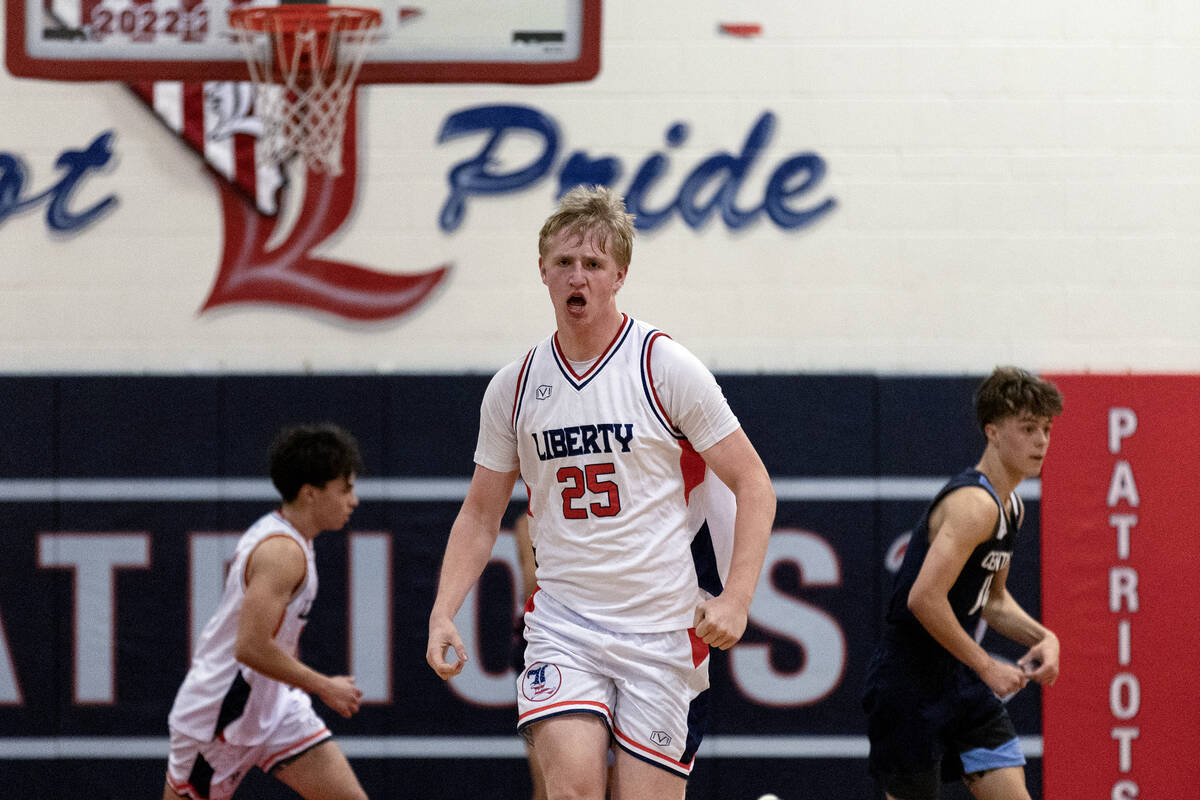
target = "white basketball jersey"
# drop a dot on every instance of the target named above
(221, 697)
(610, 459)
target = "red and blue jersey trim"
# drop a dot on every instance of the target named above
(648, 388)
(580, 381)
(522, 385)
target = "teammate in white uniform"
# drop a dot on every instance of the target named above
(611, 425)
(245, 700)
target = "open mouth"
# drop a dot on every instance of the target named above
(576, 301)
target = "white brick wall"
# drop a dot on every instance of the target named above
(1014, 183)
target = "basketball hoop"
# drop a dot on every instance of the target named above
(304, 60)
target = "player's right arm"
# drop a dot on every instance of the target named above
(1005, 616)
(467, 553)
(963, 520)
(274, 571)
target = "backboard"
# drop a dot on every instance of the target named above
(441, 41)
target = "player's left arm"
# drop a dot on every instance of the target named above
(274, 572)
(721, 621)
(1006, 616)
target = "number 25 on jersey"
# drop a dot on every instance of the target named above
(591, 479)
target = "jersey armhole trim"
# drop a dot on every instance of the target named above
(519, 394)
(649, 389)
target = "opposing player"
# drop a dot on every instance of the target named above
(245, 700)
(610, 424)
(932, 693)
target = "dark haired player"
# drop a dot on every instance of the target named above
(933, 694)
(245, 700)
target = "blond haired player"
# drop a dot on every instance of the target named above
(611, 425)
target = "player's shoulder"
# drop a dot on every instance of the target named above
(664, 350)
(511, 372)
(276, 556)
(515, 365)
(971, 506)
(270, 523)
(279, 542)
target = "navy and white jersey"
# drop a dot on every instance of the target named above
(609, 453)
(220, 696)
(970, 591)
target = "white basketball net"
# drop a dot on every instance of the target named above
(303, 78)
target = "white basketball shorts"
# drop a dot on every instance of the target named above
(213, 770)
(649, 688)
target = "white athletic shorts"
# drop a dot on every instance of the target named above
(213, 770)
(649, 688)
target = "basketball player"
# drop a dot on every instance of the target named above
(245, 700)
(610, 424)
(932, 693)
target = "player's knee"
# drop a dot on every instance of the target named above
(570, 792)
(572, 785)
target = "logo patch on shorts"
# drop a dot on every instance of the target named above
(541, 682)
(660, 738)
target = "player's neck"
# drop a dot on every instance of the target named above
(301, 521)
(1003, 479)
(587, 340)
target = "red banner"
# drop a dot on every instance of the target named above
(1120, 553)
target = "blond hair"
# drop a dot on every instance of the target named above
(592, 209)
